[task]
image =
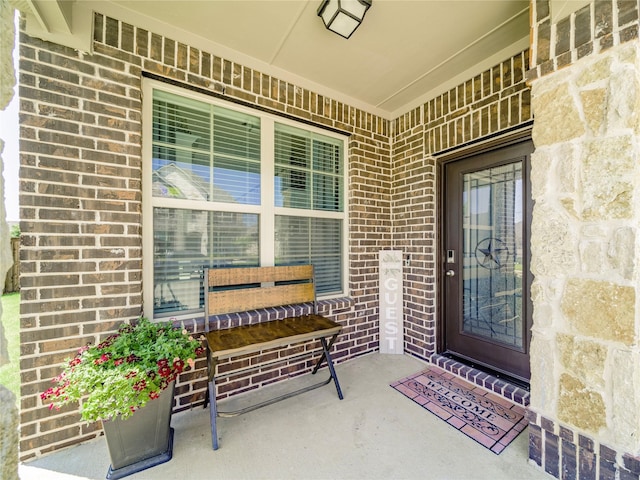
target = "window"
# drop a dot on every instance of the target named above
(227, 186)
(309, 177)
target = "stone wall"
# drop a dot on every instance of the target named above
(9, 411)
(585, 385)
(81, 257)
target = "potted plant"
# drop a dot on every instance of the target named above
(127, 381)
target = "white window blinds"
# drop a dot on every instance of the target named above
(221, 195)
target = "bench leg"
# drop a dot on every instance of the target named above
(210, 363)
(210, 395)
(213, 413)
(322, 357)
(206, 398)
(326, 355)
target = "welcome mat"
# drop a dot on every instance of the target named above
(489, 419)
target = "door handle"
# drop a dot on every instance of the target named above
(450, 273)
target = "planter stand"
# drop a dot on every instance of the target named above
(142, 440)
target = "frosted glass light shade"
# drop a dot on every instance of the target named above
(343, 16)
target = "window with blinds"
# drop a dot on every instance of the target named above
(309, 176)
(302, 240)
(222, 196)
(202, 152)
(308, 172)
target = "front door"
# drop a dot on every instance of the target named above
(486, 259)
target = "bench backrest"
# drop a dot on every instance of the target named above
(229, 290)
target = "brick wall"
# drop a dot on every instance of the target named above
(494, 101)
(592, 29)
(81, 255)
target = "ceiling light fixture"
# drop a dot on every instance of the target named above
(343, 16)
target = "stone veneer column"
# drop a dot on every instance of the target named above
(586, 187)
(8, 411)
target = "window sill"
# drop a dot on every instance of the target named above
(195, 322)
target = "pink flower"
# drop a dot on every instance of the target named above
(153, 395)
(103, 358)
(139, 386)
(165, 371)
(191, 363)
(178, 365)
(112, 338)
(132, 358)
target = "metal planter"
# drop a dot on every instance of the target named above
(142, 440)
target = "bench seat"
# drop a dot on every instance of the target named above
(231, 342)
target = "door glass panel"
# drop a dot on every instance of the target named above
(492, 243)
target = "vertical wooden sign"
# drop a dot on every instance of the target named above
(390, 301)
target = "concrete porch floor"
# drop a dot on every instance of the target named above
(374, 433)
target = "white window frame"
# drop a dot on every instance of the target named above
(267, 211)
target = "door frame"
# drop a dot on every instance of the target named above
(516, 135)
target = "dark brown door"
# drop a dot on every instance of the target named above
(486, 259)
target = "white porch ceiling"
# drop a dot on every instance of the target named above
(404, 53)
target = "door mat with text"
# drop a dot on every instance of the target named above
(489, 419)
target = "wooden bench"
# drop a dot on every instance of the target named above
(231, 290)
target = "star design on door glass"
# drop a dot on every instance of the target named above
(491, 253)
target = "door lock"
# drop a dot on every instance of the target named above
(450, 273)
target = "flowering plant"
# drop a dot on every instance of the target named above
(125, 371)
